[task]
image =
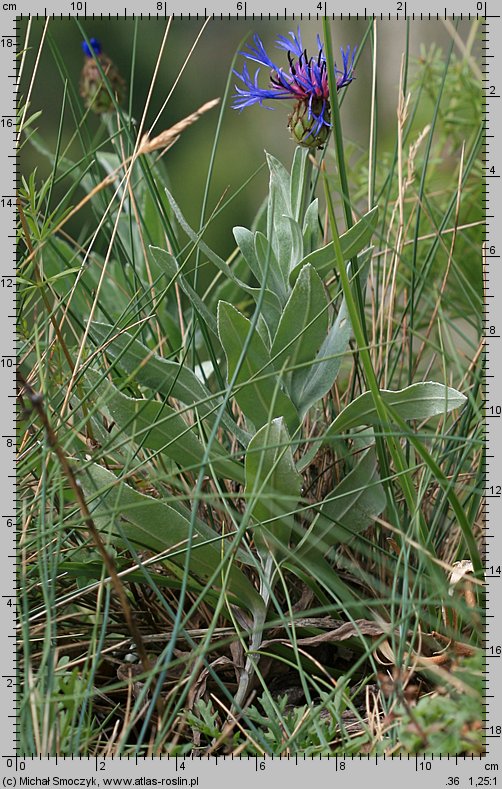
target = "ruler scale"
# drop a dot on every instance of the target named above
(20, 769)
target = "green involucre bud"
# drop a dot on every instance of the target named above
(304, 125)
(97, 91)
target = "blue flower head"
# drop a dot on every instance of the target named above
(101, 85)
(305, 81)
(93, 50)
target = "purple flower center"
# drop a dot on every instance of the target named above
(306, 80)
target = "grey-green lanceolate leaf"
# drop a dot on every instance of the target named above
(283, 231)
(159, 427)
(270, 302)
(258, 389)
(299, 182)
(121, 511)
(352, 243)
(169, 265)
(348, 510)
(302, 330)
(273, 485)
(418, 401)
(164, 376)
(327, 363)
(246, 242)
